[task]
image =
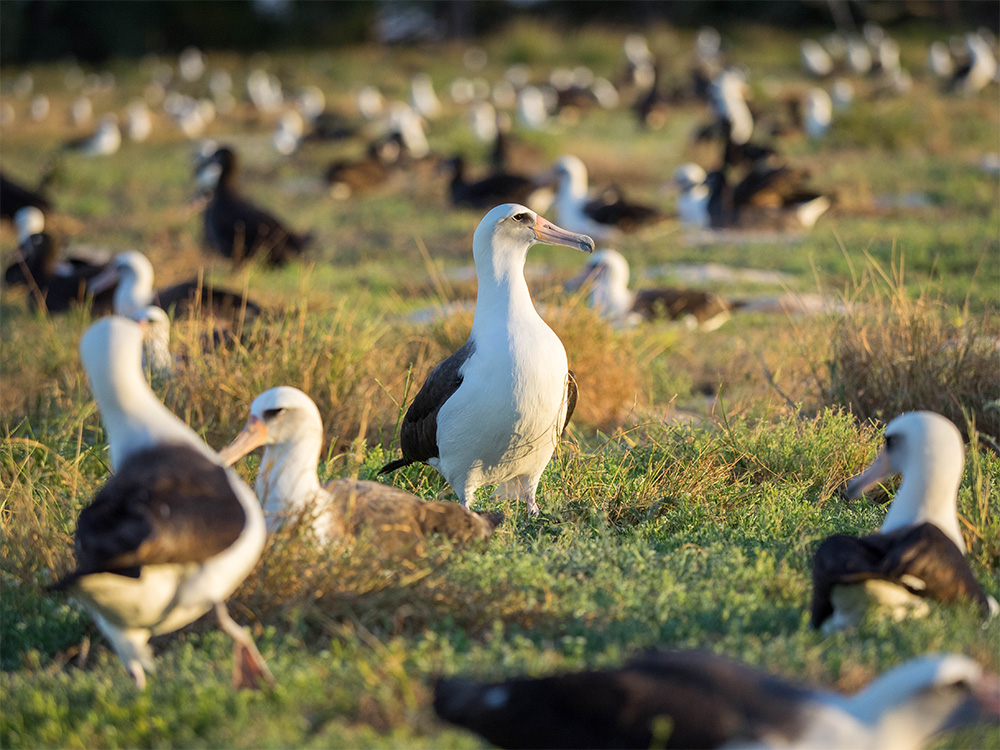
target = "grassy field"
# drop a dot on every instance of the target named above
(683, 508)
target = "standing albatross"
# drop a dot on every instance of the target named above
(694, 699)
(491, 413)
(173, 533)
(918, 554)
(287, 423)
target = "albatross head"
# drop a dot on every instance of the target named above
(927, 449)
(505, 234)
(924, 696)
(287, 423)
(689, 175)
(133, 274)
(279, 416)
(215, 169)
(29, 220)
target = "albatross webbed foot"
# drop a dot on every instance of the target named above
(249, 667)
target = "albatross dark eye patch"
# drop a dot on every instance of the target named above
(522, 217)
(272, 413)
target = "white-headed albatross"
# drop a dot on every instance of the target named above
(55, 282)
(918, 554)
(173, 532)
(607, 274)
(287, 423)
(130, 274)
(696, 699)
(491, 413)
(604, 217)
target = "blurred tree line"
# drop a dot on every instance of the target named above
(96, 30)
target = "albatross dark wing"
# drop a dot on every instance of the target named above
(418, 433)
(671, 700)
(189, 297)
(239, 230)
(572, 393)
(672, 304)
(168, 504)
(611, 208)
(54, 283)
(922, 552)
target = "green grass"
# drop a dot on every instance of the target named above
(670, 518)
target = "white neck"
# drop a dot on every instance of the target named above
(611, 299)
(134, 417)
(503, 293)
(572, 192)
(156, 352)
(927, 495)
(287, 480)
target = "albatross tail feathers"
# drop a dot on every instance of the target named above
(390, 467)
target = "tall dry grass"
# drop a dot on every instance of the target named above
(891, 352)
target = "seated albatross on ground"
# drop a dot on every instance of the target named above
(918, 554)
(287, 423)
(607, 274)
(491, 413)
(173, 533)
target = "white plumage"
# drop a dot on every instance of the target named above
(491, 413)
(170, 591)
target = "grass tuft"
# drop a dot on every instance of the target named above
(891, 352)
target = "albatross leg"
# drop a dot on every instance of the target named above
(521, 487)
(248, 665)
(132, 647)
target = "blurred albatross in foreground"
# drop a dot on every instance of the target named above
(491, 413)
(287, 423)
(173, 533)
(692, 699)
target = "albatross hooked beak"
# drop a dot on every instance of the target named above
(253, 436)
(549, 234)
(879, 470)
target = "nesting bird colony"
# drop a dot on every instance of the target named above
(554, 351)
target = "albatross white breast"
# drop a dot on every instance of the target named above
(491, 413)
(170, 535)
(918, 554)
(693, 699)
(287, 423)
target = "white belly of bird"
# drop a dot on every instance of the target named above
(505, 418)
(852, 603)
